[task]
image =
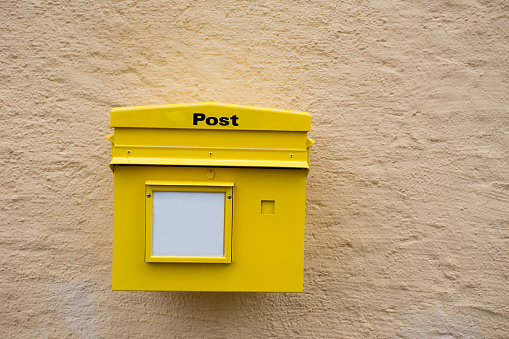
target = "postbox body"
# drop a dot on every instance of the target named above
(209, 197)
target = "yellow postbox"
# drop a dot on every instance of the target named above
(209, 197)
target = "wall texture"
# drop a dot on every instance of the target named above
(407, 229)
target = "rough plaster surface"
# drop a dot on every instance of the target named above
(407, 229)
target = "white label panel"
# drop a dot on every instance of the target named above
(188, 224)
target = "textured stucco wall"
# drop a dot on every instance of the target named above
(407, 229)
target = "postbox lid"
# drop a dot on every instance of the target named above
(210, 115)
(210, 134)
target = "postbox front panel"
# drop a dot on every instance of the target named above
(187, 210)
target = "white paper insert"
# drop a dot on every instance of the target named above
(188, 224)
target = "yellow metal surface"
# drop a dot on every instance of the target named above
(267, 249)
(189, 186)
(259, 154)
(197, 147)
(196, 135)
(268, 207)
(210, 115)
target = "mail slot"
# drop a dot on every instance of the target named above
(209, 197)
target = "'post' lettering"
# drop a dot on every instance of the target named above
(212, 121)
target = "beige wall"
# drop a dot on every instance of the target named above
(407, 229)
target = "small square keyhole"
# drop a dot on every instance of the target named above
(268, 207)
